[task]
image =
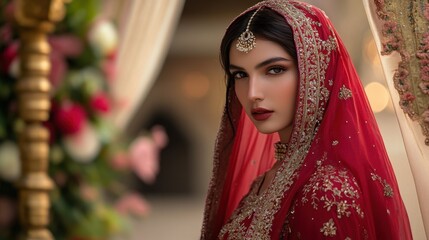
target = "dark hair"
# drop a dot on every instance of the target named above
(266, 24)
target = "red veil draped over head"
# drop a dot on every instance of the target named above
(334, 128)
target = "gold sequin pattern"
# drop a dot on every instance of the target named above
(345, 93)
(387, 189)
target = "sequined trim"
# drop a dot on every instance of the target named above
(345, 93)
(387, 189)
(280, 150)
(405, 29)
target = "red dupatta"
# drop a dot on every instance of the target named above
(333, 125)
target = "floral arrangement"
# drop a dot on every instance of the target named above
(87, 157)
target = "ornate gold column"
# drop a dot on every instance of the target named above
(35, 18)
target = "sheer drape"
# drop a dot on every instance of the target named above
(414, 140)
(145, 30)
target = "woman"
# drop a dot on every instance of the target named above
(291, 84)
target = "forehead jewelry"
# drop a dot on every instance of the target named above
(247, 41)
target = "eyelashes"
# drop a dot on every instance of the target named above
(238, 75)
(272, 70)
(276, 70)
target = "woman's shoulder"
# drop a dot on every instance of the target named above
(328, 205)
(332, 188)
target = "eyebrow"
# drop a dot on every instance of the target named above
(262, 64)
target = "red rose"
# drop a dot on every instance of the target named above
(70, 118)
(9, 54)
(100, 103)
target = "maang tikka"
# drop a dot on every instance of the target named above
(247, 40)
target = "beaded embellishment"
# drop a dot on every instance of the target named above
(280, 151)
(247, 40)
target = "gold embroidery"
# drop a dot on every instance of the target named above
(326, 180)
(331, 189)
(335, 143)
(405, 30)
(280, 150)
(329, 229)
(387, 189)
(345, 93)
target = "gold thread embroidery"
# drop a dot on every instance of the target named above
(345, 93)
(405, 30)
(329, 229)
(330, 189)
(326, 180)
(387, 189)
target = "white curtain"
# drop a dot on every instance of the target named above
(145, 31)
(414, 140)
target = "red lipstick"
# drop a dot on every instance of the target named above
(261, 114)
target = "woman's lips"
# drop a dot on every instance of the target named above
(261, 114)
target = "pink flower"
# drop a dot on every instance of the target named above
(134, 204)
(408, 96)
(63, 46)
(144, 154)
(391, 43)
(100, 103)
(159, 136)
(421, 55)
(67, 45)
(389, 27)
(120, 161)
(424, 86)
(401, 73)
(144, 158)
(70, 118)
(58, 68)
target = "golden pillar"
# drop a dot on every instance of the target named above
(35, 19)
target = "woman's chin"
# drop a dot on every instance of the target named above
(266, 130)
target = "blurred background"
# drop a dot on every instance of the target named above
(171, 92)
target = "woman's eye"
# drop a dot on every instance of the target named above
(238, 75)
(276, 70)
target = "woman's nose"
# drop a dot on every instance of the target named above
(255, 89)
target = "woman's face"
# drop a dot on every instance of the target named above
(266, 81)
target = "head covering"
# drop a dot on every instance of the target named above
(333, 125)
